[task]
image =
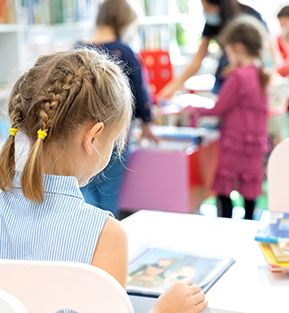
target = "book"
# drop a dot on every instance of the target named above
(195, 135)
(157, 269)
(273, 265)
(274, 227)
(280, 251)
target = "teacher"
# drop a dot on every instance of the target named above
(218, 13)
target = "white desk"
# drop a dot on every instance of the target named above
(248, 286)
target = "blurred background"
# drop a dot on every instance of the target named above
(30, 28)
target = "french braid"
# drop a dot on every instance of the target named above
(59, 95)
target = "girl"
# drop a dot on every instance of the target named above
(218, 13)
(243, 106)
(74, 107)
(114, 18)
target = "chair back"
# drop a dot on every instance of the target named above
(278, 178)
(10, 304)
(49, 287)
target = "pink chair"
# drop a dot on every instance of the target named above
(278, 178)
(49, 287)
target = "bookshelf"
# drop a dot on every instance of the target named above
(34, 28)
(162, 19)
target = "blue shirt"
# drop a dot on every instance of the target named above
(61, 228)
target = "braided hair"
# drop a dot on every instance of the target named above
(58, 95)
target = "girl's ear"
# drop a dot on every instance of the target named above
(91, 136)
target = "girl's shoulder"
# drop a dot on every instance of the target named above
(245, 71)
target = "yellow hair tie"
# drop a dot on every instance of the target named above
(41, 134)
(13, 131)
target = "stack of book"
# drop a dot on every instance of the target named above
(273, 238)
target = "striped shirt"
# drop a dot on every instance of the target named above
(61, 228)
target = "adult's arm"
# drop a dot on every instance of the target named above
(169, 90)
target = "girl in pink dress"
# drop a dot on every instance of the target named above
(242, 105)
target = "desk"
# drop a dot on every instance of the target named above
(248, 286)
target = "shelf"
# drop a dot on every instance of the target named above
(9, 28)
(162, 19)
(37, 28)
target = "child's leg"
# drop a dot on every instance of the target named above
(249, 208)
(224, 206)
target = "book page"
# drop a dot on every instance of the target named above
(159, 269)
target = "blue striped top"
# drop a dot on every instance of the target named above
(61, 228)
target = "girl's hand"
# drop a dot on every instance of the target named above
(227, 71)
(182, 297)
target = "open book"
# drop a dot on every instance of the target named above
(156, 269)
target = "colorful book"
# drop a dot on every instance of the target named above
(274, 227)
(157, 269)
(274, 266)
(280, 251)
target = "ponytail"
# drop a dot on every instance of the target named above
(7, 164)
(264, 77)
(31, 180)
(7, 154)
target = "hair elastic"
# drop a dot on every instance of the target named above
(41, 134)
(13, 131)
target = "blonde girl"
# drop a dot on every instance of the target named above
(74, 107)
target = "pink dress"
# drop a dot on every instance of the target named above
(243, 107)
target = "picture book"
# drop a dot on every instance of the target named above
(274, 266)
(157, 269)
(280, 251)
(274, 227)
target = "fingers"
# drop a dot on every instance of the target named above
(195, 289)
(198, 298)
(201, 306)
(188, 282)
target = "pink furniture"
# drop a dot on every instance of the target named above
(172, 181)
(10, 304)
(48, 287)
(278, 178)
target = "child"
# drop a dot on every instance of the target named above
(242, 105)
(74, 107)
(114, 18)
